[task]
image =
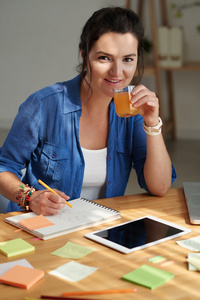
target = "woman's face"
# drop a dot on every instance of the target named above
(113, 62)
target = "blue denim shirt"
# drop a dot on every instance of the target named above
(44, 139)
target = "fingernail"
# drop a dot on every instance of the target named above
(133, 100)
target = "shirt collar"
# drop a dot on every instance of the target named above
(72, 100)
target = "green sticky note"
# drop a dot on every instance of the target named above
(148, 276)
(15, 247)
(157, 259)
(73, 251)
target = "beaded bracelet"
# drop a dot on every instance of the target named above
(24, 196)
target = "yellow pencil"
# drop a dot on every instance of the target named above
(51, 190)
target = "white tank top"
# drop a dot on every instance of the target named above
(94, 180)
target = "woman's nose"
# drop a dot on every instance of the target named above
(116, 69)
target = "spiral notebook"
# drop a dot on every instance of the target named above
(84, 214)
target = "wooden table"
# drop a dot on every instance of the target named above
(112, 264)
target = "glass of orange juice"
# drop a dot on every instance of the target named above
(123, 106)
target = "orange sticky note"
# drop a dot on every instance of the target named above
(22, 277)
(36, 222)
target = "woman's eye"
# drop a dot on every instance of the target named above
(103, 58)
(128, 59)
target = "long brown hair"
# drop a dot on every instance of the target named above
(110, 19)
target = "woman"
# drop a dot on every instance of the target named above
(69, 136)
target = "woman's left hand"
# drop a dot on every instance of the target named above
(148, 104)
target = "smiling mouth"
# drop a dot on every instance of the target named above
(113, 80)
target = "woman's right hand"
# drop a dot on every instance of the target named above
(46, 203)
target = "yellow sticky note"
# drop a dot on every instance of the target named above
(28, 298)
(15, 247)
(73, 251)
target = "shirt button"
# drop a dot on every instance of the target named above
(59, 87)
(109, 157)
(53, 155)
(109, 182)
(126, 150)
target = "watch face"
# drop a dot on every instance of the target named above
(153, 130)
(157, 127)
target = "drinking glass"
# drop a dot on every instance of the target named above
(123, 106)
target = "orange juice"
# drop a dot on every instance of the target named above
(123, 106)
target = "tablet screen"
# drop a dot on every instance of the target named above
(137, 234)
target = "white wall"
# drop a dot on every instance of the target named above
(186, 83)
(39, 46)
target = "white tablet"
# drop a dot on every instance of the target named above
(137, 234)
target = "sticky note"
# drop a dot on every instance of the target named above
(4, 267)
(192, 267)
(73, 251)
(73, 271)
(192, 244)
(22, 277)
(195, 262)
(36, 222)
(28, 298)
(15, 247)
(148, 276)
(167, 263)
(157, 259)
